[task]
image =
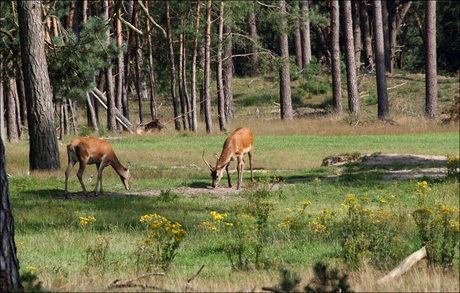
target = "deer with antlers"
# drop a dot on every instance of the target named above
(90, 150)
(237, 144)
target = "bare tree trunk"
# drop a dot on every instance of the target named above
(44, 150)
(228, 73)
(72, 105)
(194, 125)
(183, 101)
(207, 70)
(91, 108)
(431, 94)
(356, 31)
(201, 65)
(153, 105)
(11, 115)
(305, 34)
(220, 84)
(396, 15)
(9, 273)
(66, 117)
(2, 105)
(366, 34)
(253, 35)
(353, 102)
(141, 87)
(62, 120)
(382, 94)
(127, 59)
(120, 65)
(173, 67)
(297, 45)
(22, 99)
(111, 120)
(403, 47)
(285, 78)
(386, 35)
(335, 58)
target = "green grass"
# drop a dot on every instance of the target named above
(53, 244)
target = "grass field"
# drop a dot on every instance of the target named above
(346, 216)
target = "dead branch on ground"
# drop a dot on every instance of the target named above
(128, 283)
(189, 285)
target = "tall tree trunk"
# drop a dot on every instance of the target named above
(356, 31)
(9, 270)
(228, 73)
(353, 102)
(207, 70)
(127, 59)
(201, 65)
(285, 78)
(335, 58)
(153, 105)
(220, 84)
(305, 35)
(173, 67)
(66, 117)
(253, 35)
(120, 78)
(382, 94)
(44, 150)
(386, 34)
(111, 119)
(62, 120)
(2, 105)
(141, 87)
(11, 118)
(366, 34)
(431, 94)
(396, 15)
(297, 45)
(194, 125)
(22, 97)
(322, 43)
(183, 100)
(403, 47)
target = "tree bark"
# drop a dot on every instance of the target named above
(335, 58)
(285, 78)
(44, 150)
(356, 31)
(11, 118)
(297, 45)
(194, 125)
(207, 70)
(182, 85)
(153, 105)
(382, 94)
(220, 84)
(253, 35)
(386, 35)
(228, 73)
(2, 105)
(431, 94)
(366, 34)
(305, 35)
(9, 270)
(120, 78)
(353, 102)
(172, 67)
(141, 87)
(109, 84)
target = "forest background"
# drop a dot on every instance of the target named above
(175, 61)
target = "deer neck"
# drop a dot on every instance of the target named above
(117, 166)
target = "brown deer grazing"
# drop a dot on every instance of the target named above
(238, 143)
(90, 150)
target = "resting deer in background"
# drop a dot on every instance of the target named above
(238, 143)
(90, 150)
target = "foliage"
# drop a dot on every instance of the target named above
(328, 280)
(96, 255)
(438, 229)
(165, 238)
(452, 166)
(75, 60)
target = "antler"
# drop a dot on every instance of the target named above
(209, 165)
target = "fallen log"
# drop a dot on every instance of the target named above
(101, 98)
(405, 265)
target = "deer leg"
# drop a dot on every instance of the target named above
(240, 170)
(81, 170)
(100, 167)
(67, 174)
(228, 175)
(250, 153)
